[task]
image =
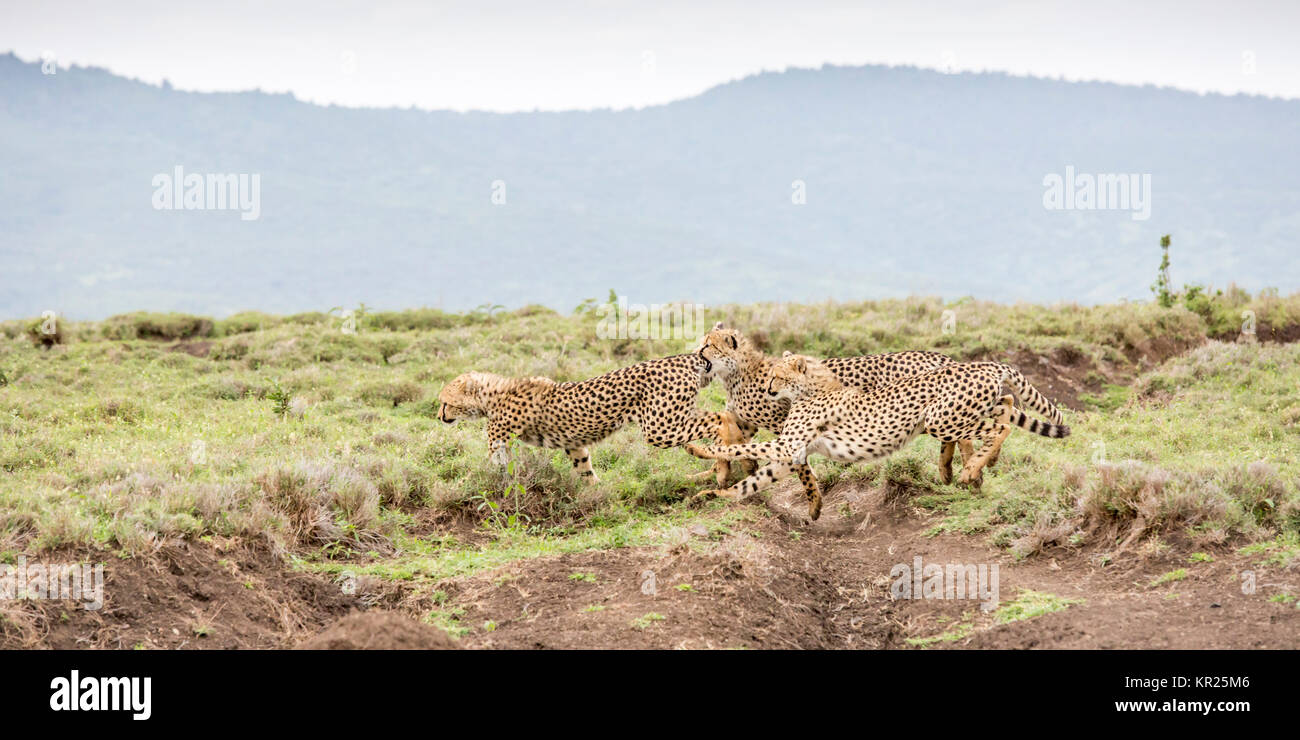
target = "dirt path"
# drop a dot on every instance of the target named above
(773, 585)
(772, 581)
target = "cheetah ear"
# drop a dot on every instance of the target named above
(469, 385)
(800, 364)
(719, 325)
(786, 353)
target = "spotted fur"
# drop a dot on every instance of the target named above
(744, 371)
(658, 395)
(955, 401)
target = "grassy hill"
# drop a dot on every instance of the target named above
(320, 450)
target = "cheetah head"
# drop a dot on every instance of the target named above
(720, 349)
(796, 376)
(461, 398)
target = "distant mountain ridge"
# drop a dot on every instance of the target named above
(913, 182)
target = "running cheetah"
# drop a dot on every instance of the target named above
(659, 395)
(744, 371)
(961, 400)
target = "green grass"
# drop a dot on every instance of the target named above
(326, 443)
(1110, 398)
(1280, 551)
(959, 632)
(1210, 455)
(1029, 604)
(1170, 577)
(645, 621)
(448, 620)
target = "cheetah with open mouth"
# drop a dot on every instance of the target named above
(956, 401)
(744, 371)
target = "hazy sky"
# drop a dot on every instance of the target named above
(561, 54)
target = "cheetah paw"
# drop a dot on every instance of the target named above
(698, 451)
(702, 475)
(715, 492)
(702, 496)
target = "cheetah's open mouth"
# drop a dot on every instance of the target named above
(708, 364)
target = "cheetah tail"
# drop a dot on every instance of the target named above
(1030, 424)
(1030, 396)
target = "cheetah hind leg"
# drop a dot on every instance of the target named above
(992, 432)
(1008, 401)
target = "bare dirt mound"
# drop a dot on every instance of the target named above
(773, 582)
(770, 580)
(1067, 373)
(1128, 604)
(777, 582)
(188, 595)
(1064, 375)
(1265, 333)
(379, 630)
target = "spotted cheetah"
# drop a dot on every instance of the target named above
(960, 400)
(659, 395)
(744, 371)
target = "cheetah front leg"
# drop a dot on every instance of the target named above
(700, 424)
(723, 468)
(945, 461)
(945, 457)
(730, 430)
(812, 489)
(766, 476)
(499, 435)
(777, 450)
(581, 460)
(746, 467)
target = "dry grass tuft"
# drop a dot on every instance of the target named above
(328, 505)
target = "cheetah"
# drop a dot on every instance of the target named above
(659, 395)
(960, 400)
(744, 370)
